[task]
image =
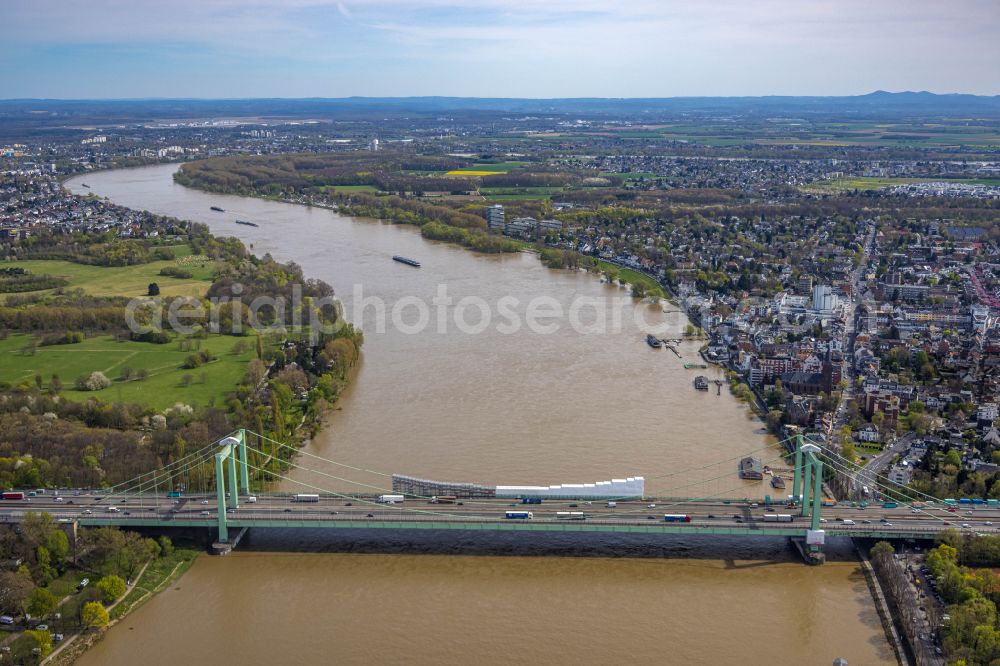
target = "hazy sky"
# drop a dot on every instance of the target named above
(503, 48)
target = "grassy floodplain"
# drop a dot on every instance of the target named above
(128, 280)
(164, 386)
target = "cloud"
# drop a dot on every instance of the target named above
(529, 47)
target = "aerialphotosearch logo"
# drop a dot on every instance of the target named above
(319, 315)
(409, 315)
(508, 315)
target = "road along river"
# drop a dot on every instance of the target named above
(558, 400)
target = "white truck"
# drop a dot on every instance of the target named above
(391, 499)
(301, 497)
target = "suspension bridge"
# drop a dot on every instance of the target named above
(233, 475)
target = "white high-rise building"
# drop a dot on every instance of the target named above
(495, 217)
(823, 298)
(980, 318)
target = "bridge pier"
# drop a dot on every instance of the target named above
(224, 548)
(812, 555)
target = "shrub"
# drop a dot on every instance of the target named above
(156, 337)
(94, 615)
(67, 338)
(195, 360)
(111, 588)
(176, 272)
(94, 382)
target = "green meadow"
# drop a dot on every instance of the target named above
(129, 280)
(164, 386)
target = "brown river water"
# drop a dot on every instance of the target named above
(498, 401)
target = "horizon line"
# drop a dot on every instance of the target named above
(476, 97)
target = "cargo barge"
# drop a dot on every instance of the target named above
(248, 224)
(217, 209)
(407, 261)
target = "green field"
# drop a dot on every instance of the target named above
(128, 280)
(516, 197)
(498, 167)
(630, 276)
(162, 388)
(631, 175)
(486, 169)
(519, 193)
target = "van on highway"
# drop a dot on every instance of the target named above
(251, 499)
(112, 509)
(612, 505)
(848, 521)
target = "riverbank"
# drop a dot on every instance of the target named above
(469, 237)
(882, 604)
(155, 576)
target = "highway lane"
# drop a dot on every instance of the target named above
(703, 514)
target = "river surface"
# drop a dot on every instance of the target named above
(520, 398)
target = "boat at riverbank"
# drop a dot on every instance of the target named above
(777, 482)
(701, 383)
(699, 366)
(750, 469)
(407, 261)
(653, 342)
(248, 224)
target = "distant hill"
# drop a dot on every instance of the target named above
(38, 113)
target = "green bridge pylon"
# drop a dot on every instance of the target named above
(226, 457)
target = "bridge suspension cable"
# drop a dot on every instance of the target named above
(831, 452)
(839, 467)
(155, 472)
(475, 501)
(136, 485)
(687, 471)
(353, 498)
(675, 502)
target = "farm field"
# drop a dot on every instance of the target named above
(486, 169)
(164, 385)
(127, 280)
(370, 189)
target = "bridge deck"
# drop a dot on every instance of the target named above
(753, 530)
